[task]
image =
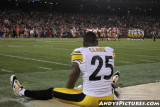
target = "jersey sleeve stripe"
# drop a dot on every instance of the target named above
(76, 52)
(114, 55)
(77, 57)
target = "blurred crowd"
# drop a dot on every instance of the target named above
(17, 23)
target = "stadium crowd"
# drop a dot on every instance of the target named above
(19, 23)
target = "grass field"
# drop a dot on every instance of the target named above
(45, 63)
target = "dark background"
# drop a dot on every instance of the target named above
(144, 7)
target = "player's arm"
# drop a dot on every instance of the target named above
(74, 75)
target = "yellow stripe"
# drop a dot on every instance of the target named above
(115, 79)
(77, 57)
(68, 91)
(88, 101)
(114, 55)
(18, 84)
(76, 52)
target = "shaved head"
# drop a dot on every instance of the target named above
(90, 39)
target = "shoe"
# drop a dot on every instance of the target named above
(16, 85)
(115, 79)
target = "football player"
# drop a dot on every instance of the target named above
(129, 34)
(103, 35)
(117, 34)
(95, 63)
(109, 33)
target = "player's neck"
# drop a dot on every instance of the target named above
(90, 45)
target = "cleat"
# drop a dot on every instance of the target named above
(115, 79)
(16, 85)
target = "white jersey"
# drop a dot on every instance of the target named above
(129, 31)
(96, 64)
(135, 32)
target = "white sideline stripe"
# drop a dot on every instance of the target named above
(38, 46)
(147, 61)
(4, 70)
(45, 68)
(42, 46)
(19, 57)
(125, 62)
(15, 46)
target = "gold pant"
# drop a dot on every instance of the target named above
(76, 96)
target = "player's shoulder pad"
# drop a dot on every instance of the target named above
(77, 56)
(109, 48)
